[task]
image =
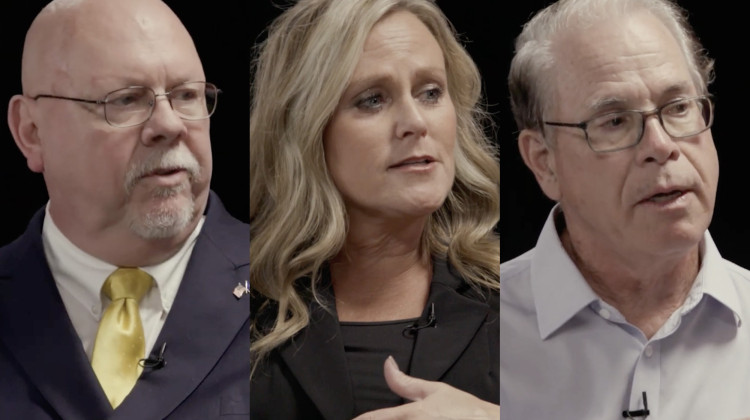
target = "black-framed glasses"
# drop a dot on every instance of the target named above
(615, 131)
(134, 105)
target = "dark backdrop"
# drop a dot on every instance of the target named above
(524, 208)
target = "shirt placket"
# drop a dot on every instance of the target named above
(647, 378)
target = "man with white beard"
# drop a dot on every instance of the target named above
(124, 298)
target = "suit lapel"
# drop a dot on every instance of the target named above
(316, 358)
(204, 320)
(42, 339)
(316, 355)
(437, 349)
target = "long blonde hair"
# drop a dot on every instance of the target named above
(298, 221)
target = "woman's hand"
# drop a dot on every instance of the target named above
(431, 400)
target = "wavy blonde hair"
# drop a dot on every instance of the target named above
(298, 221)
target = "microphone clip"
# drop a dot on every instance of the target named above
(154, 363)
(411, 330)
(643, 413)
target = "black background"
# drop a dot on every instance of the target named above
(224, 32)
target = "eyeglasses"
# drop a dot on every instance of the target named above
(134, 105)
(621, 130)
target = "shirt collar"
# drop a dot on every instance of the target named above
(560, 291)
(716, 277)
(83, 274)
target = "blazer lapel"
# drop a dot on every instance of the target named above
(204, 320)
(316, 358)
(316, 355)
(36, 329)
(436, 349)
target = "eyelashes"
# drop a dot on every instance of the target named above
(376, 99)
(432, 95)
(371, 101)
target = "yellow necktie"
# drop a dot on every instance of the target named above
(119, 341)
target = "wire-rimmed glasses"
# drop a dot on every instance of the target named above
(134, 105)
(680, 118)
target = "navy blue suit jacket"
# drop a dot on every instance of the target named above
(307, 377)
(44, 371)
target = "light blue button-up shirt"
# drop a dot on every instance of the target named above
(567, 354)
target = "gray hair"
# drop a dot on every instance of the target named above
(529, 80)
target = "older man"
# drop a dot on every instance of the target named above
(124, 298)
(624, 308)
(223, 52)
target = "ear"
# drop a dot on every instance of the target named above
(24, 130)
(540, 158)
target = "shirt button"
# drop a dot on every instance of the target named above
(604, 313)
(649, 351)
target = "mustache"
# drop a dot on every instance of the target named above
(179, 157)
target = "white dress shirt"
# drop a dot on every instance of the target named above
(80, 276)
(567, 354)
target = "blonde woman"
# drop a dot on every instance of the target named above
(374, 196)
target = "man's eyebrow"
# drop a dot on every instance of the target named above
(616, 102)
(607, 104)
(676, 89)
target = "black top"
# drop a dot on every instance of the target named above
(367, 345)
(456, 342)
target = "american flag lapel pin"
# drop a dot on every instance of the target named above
(241, 289)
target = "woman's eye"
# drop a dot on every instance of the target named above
(370, 102)
(432, 95)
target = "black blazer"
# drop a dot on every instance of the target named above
(45, 374)
(307, 378)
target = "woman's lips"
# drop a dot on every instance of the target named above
(417, 161)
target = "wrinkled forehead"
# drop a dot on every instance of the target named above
(90, 41)
(633, 57)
